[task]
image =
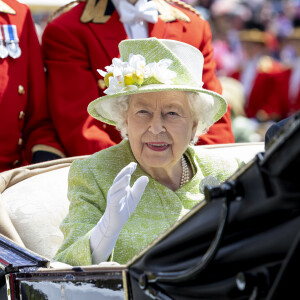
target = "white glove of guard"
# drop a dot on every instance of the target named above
(121, 203)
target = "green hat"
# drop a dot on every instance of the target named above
(152, 65)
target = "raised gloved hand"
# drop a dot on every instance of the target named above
(121, 203)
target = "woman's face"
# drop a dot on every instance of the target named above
(160, 127)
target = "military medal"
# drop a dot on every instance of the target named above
(3, 50)
(12, 41)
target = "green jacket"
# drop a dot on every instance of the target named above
(159, 207)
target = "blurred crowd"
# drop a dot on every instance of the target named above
(257, 51)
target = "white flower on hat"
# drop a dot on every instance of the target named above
(114, 76)
(117, 85)
(161, 72)
(123, 76)
(137, 62)
(115, 69)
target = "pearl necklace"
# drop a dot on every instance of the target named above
(185, 175)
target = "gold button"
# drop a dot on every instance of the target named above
(101, 84)
(104, 126)
(20, 142)
(21, 115)
(16, 162)
(21, 90)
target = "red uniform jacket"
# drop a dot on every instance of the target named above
(285, 104)
(261, 101)
(24, 117)
(73, 51)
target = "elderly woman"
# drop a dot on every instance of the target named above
(123, 197)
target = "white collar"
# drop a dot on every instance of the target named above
(141, 11)
(134, 30)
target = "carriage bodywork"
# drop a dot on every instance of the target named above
(25, 275)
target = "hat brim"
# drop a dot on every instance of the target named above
(99, 107)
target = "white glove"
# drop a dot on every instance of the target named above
(121, 203)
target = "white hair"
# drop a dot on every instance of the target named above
(201, 105)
